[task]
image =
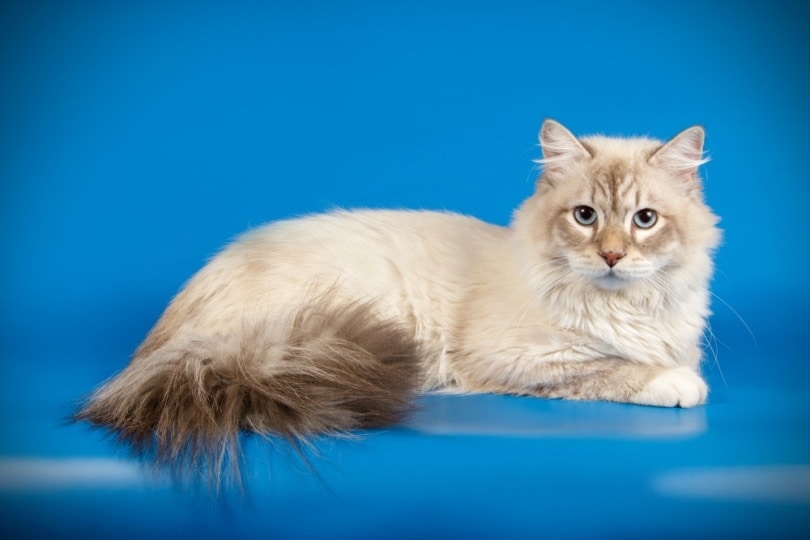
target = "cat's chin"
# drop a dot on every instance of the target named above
(611, 282)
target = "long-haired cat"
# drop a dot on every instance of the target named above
(329, 323)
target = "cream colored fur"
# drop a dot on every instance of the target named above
(330, 322)
(516, 309)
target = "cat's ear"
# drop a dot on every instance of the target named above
(560, 148)
(683, 154)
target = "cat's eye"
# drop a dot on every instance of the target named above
(585, 215)
(644, 219)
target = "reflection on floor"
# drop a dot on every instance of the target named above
(470, 466)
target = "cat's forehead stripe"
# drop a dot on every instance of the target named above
(629, 184)
(614, 182)
(603, 188)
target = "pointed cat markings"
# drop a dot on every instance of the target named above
(334, 322)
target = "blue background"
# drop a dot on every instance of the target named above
(137, 138)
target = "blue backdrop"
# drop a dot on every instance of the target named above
(138, 138)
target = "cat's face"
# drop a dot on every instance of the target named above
(617, 212)
(616, 224)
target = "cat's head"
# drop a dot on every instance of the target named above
(618, 212)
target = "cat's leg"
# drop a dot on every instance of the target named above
(673, 387)
(609, 379)
(619, 380)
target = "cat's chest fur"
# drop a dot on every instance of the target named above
(513, 320)
(643, 326)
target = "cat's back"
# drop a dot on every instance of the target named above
(386, 233)
(368, 253)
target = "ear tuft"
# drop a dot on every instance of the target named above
(560, 147)
(683, 154)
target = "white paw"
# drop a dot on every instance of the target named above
(675, 387)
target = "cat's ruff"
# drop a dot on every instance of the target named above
(597, 291)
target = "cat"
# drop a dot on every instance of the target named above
(598, 290)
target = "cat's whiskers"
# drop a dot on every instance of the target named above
(663, 288)
(663, 281)
(712, 343)
(739, 318)
(549, 288)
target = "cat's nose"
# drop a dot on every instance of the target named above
(611, 257)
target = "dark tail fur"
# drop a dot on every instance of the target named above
(185, 403)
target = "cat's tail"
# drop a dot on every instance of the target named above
(184, 403)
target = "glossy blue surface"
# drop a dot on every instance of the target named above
(137, 138)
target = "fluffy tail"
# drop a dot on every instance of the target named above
(184, 403)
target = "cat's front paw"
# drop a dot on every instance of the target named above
(675, 387)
